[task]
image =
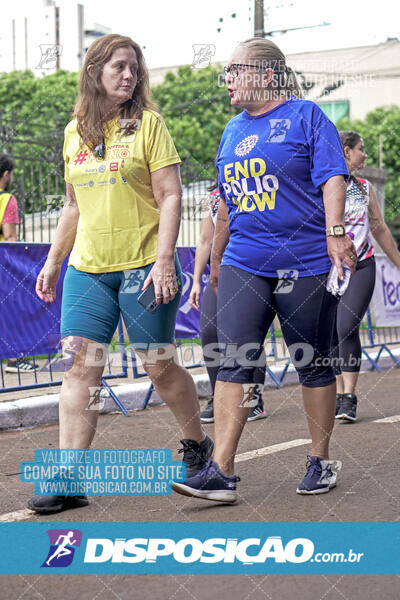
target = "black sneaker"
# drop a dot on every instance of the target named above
(257, 412)
(207, 415)
(47, 505)
(348, 408)
(21, 364)
(195, 455)
(338, 411)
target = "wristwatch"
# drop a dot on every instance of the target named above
(336, 231)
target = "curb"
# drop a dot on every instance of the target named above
(38, 411)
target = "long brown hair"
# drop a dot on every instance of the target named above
(267, 54)
(350, 139)
(91, 96)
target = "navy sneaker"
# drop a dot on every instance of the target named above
(338, 405)
(319, 478)
(209, 484)
(196, 455)
(348, 408)
(207, 415)
(47, 505)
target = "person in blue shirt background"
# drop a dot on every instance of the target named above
(281, 178)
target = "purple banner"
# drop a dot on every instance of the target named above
(188, 320)
(30, 327)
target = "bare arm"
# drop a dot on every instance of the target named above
(10, 232)
(339, 248)
(63, 241)
(167, 190)
(381, 231)
(66, 228)
(203, 250)
(220, 242)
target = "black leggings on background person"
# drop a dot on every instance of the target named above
(351, 309)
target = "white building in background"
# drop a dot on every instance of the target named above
(46, 36)
(351, 82)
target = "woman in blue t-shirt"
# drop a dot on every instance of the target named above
(281, 178)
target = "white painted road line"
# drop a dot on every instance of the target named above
(270, 450)
(394, 419)
(18, 515)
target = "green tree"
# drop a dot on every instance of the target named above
(383, 121)
(33, 115)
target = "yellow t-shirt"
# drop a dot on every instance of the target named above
(119, 217)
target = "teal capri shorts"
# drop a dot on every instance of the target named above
(93, 302)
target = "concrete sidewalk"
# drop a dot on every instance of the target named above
(39, 410)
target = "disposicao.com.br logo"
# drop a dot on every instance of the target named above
(62, 547)
(246, 551)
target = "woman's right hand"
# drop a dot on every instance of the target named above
(47, 281)
(194, 298)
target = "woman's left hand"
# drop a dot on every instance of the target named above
(163, 276)
(341, 249)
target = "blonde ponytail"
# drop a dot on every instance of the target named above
(267, 55)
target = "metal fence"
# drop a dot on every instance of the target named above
(39, 182)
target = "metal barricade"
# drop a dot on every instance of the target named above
(56, 364)
(380, 338)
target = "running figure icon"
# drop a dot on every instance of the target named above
(62, 549)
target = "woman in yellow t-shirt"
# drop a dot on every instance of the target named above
(121, 220)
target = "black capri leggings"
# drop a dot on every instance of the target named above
(246, 307)
(209, 339)
(346, 345)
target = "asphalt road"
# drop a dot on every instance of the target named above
(367, 490)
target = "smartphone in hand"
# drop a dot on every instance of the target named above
(148, 299)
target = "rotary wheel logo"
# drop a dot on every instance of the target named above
(246, 145)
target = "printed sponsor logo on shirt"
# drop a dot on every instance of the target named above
(114, 166)
(81, 157)
(86, 184)
(246, 145)
(113, 153)
(279, 129)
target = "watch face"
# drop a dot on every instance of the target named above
(338, 230)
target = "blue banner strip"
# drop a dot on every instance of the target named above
(200, 548)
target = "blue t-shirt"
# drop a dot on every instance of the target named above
(270, 168)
